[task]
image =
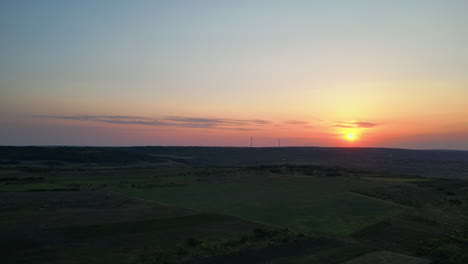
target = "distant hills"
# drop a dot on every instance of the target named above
(426, 163)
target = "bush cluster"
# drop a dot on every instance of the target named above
(194, 247)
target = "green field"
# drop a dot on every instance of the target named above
(266, 214)
(31, 187)
(389, 179)
(99, 227)
(323, 206)
(48, 179)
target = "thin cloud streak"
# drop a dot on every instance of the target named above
(343, 126)
(296, 122)
(172, 121)
(355, 124)
(365, 124)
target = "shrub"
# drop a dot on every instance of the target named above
(193, 242)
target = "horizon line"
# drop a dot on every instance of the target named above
(202, 146)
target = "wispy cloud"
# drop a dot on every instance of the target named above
(295, 122)
(343, 126)
(355, 124)
(171, 121)
(365, 124)
(218, 121)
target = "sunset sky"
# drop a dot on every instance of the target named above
(214, 73)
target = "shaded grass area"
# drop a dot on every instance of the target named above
(63, 232)
(452, 249)
(25, 179)
(321, 206)
(183, 225)
(30, 187)
(263, 245)
(113, 243)
(387, 257)
(95, 225)
(333, 255)
(393, 179)
(290, 251)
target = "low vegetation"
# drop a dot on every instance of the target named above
(384, 196)
(199, 248)
(322, 206)
(451, 249)
(124, 211)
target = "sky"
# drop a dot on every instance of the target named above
(350, 73)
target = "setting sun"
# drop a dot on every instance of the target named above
(350, 136)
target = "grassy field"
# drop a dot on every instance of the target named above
(101, 227)
(387, 257)
(322, 206)
(98, 227)
(389, 179)
(142, 215)
(32, 187)
(97, 178)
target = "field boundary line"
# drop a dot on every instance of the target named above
(382, 200)
(196, 210)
